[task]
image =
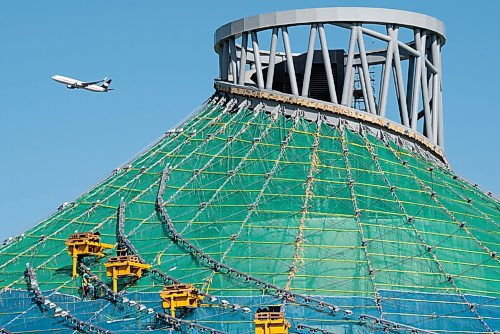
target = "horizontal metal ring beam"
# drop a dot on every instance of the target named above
(330, 15)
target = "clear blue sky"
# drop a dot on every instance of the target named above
(56, 143)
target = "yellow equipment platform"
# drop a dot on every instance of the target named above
(180, 295)
(124, 265)
(271, 321)
(85, 244)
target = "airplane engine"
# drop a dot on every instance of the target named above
(70, 87)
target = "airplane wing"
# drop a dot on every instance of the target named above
(85, 84)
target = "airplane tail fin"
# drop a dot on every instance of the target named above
(106, 83)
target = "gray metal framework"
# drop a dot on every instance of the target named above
(415, 64)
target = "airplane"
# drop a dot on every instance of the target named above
(91, 85)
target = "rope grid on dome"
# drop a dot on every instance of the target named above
(228, 270)
(307, 233)
(462, 226)
(89, 210)
(313, 169)
(357, 214)
(94, 205)
(427, 247)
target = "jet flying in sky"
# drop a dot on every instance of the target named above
(91, 85)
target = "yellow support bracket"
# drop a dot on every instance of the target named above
(180, 296)
(85, 244)
(271, 321)
(124, 265)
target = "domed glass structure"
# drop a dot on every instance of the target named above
(339, 219)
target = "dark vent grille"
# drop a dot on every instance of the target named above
(318, 85)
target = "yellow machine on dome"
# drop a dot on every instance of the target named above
(124, 265)
(85, 244)
(271, 320)
(180, 296)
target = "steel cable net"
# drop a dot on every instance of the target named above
(349, 218)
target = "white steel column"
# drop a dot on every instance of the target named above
(272, 59)
(441, 111)
(403, 109)
(435, 91)
(309, 61)
(328, 64)
(220, 63)
(289, 61)
(351, 89)
(349, 72)
(410, 80)
(416, 85)
(384, 94)
(243, 59)
(258, 65)
(364, 89)
(366, 73)
(225, 61)
(420, 44)
(381, 83)
(234, 59)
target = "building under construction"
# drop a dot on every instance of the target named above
(309, 194)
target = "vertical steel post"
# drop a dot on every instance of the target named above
(381, 84)
(219, 53)
(350, 90)
(425, 89)
(409, 86)
(416, 84)
(346, 96)
(398, 96)
(430, 81)
(440, 93)
(435, 90)
(400, 88)
(328, 64)
(366, 72)
(384, 92)
(272, 59)
(243, 59)
(309, 61)
(258, 65)
(363, 89)
(289, 61)
(225, 60)
(234, 59)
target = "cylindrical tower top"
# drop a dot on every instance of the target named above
(352, 59)
(329, 15)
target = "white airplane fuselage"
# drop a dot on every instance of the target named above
(73, 83)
